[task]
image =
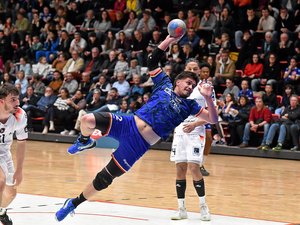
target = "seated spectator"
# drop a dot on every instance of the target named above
(285, 22)
(121, 66)
(22, 81)
(237, 126)
(93, 64)
(225, 23)
(146, 24)
(123, 43)
(70, 83)
(59, 111)
(285, 48)
(134, 68)
(175, 57)
(121, 84)
(231, 88)
(270, 75)
(225, 68)
(59, 63)
(26, 67)
(124, 108)
(90, 23)
(66, 25)
(245, 91)
(29, 98)
(266, 23)
(34, 46)
(207, 25)
(260, 117)
(112, 103)
(292, 75)
(40, 109)
(42, 67)
(288, 92)
(119, 22)
(103, 85)
(6, 78)
(93, 43)
(135, 89)
(38, 85)
(78, 44)
(74, 64)
(103, 26)
(268, 46)
(190, 37)
(138, 47)
(64, 43)
(130, 25)
(288, 118)
(56, 82)
(254, 69)
(50, 48)
(154, 41)
(201, 51)
(85, 84)
(109, 42)
(269, 98)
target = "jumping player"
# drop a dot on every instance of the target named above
(12, 119)
(187, 149)
(165, 110)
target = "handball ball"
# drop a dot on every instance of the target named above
(176, 28)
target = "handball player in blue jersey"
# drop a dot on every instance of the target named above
(165, 110)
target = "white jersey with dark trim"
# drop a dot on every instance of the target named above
(198, 97)
(16, 123)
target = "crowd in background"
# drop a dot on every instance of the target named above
(69, 58)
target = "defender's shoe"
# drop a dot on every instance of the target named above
(203, 171)
(5, 220)
(78, 146)
(180, 214)
(205, 215)
(68, 208)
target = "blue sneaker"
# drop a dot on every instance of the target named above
(68, 208)
(78, 146)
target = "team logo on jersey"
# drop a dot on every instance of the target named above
(2, 130)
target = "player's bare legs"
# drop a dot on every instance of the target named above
(7, 195)
(207, 148)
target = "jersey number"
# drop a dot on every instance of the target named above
(2, 137)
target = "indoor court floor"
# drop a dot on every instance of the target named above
(240, 190)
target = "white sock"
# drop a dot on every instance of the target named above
(181, 203)
(202, 200)
(2, 211)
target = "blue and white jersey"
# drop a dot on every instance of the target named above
(165, 110)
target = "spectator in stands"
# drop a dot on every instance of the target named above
(56, 82)
(123, 108)
(253, 69)
(41, 107)
(46, 15)
(225, 23)
(285, 22)
(245, 91)
(190, 37)
(60, 62)
(285, 48)
(292, 75)
(112, 103)
(192, 20)
(6, 78)
(260, 117)
(237, 126)
(50, 48)
(37, 24)
(70, 83)
(130, 25)
(201, 51)
(289, 117)
(134, 68)
(133, 6)
(74, 64)
(288, 92)
(103, 85)
(269, 98)
(21, 28)
(164, 25)
(207, 25)
(121, 66)
(93, 65)
(67, 26)
(146, 24)
(139, 46)
(218, 6)
(109, 42)
(135, 88)
(90, 23)
(29, 98)
(26, 67)
(78, 44)
(93, 42)
(266, 23)
(175, 57)
(118, 23)
(250, 25)
(123, 43)
(108, 66)
(37, 84)
(59, 111)
(103, 26)
(6, 50)
(119, 5)
(225, 68)
(121, 84)
(22, 81)
(154, 41)
(231, 88)
(64, 43)
(270, 75)
(85, 84)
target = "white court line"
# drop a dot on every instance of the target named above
(40, 210)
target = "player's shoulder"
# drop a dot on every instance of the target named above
(20, 114)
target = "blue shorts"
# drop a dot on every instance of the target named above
(132, 145)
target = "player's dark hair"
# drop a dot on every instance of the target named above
(187, 74)
(7, 89)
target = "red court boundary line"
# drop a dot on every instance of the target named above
(86, 214)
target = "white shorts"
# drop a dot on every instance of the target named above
(188, 147)
(7, 166)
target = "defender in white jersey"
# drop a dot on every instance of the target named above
(12, 120)
(187, 149)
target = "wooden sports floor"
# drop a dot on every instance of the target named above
(247, 187)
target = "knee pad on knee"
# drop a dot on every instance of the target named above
(102, 180)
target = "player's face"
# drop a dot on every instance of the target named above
(185, 87)
(11, 103)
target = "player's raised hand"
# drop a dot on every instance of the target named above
(206, 88)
